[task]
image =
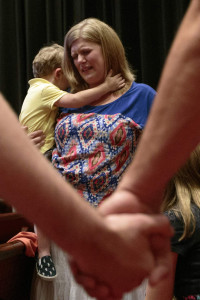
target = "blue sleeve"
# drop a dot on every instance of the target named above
(141, 103)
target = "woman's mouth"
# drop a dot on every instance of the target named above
(84, 69)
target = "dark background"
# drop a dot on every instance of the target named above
(146, 28)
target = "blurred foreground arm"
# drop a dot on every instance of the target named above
(104, 248)
(172, 130)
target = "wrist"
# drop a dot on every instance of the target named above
(90, 240)
(124, 201)
(106, 87)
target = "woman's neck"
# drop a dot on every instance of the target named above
(112, 96)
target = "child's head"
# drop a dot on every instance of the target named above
(47, 60)
(184, 189)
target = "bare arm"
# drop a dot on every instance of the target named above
(172, 130)
(32, 177)
(30, 183)
(90, 95)
(164, 289)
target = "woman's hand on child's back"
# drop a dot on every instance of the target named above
(37, 137)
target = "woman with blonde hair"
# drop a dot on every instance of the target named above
(98, 32)
(182, 206)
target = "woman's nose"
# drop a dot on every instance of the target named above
(81, 58)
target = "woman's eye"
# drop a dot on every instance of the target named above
(85, 52)
(74, 56)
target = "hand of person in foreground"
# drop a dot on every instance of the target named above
(124, 201)
(141, 250)
(37, 137)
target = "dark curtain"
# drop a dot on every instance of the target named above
(146, 28)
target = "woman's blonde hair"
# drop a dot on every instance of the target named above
(183, 190)
(98, 32)
(47, 60)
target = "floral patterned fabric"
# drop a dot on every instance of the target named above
(93, 151)
(95, 144)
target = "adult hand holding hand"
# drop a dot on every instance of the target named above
(124, 201)
(128, 257)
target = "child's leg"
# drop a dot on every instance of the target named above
(43, 244)
(45, 266)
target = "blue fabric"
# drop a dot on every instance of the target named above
(135, 104)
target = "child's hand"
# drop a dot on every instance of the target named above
(114, 82)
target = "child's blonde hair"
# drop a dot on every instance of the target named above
(183, 190)
(98, 32)
(47, 60)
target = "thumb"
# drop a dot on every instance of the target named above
(160, 226)
(162, 254)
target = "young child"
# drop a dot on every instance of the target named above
(39, 110)
(47, 93)
(182, 206)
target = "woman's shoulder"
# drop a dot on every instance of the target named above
(142, 87)
(173, 217)
(196, 213)
(176, 218)
(140, 94)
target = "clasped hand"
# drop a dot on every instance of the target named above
(139, 248)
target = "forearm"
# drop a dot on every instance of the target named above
(172, 130)
(82, 98)
(91, 95)
(30, 183)
(165, 288)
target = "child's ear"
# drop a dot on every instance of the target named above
(58, 73)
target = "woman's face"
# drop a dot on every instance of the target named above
(89, 61)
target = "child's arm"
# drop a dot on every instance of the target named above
(90, 95)
(164, 289)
